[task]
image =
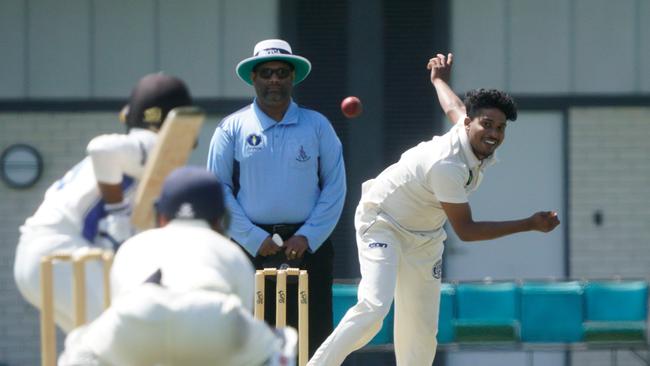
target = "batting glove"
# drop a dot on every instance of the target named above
(116, 227)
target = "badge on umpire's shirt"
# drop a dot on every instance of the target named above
(253, 141)
(437, 270)
(302, 155)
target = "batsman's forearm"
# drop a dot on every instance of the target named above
(486, 230)
(111, 193)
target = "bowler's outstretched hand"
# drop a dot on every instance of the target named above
(440, 67)
(544, 221)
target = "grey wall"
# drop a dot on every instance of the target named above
(610, 173)
(569, 48)
(552, 46)
(529, 177)
(97, 48)
(569, 51)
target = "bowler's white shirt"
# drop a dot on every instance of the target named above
(443, 169)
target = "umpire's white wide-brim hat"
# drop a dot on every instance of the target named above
(273, 50)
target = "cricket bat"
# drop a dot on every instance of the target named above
(176, 140)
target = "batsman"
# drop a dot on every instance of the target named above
(399, 224)
(183, 292)
(91, 204)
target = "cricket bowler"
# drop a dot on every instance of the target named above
(399, 224)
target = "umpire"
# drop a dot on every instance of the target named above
(283, 171)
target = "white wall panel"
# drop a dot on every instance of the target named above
(478, 41)
(59, 44)
(12, 44)
(124, 45)
(247, 22)
(610, 171)
(644, 46)
(530, 178)
(190, 43)
(539, 51)
(604, 46)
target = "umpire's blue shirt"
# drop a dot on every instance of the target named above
(284, 172)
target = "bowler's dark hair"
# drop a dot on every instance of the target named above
(490, 98)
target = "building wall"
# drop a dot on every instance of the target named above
(581, 50)
(97, 48)
(609, 175)
(552, 47)
(601, 50)
(610, 172)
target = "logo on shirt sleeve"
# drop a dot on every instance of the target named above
(436, 271)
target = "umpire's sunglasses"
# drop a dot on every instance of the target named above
(267, 72)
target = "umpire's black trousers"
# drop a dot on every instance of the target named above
(320, 267)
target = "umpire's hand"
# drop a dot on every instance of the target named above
(268, 247)
(295, 246)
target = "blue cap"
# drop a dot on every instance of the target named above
(191, 193)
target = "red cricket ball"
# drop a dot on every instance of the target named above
(351, 107)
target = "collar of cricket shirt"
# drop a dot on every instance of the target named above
(290, 116)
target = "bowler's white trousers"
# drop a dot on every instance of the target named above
(394, 263)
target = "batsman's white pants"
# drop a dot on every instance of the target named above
(38, 242)
(394, 263)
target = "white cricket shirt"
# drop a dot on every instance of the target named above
(74, 202)
(441, 169)
(190, 255)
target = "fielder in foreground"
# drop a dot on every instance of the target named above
(399, 224)
(90, 205)
(183, 292)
